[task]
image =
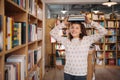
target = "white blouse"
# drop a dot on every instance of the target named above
(76, 50)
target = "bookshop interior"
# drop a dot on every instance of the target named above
(29, 52)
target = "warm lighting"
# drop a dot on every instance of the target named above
(63, 11)
(109, 3)
(96, 11)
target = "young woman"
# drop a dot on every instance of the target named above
(77, 47)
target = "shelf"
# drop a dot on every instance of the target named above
(1, 53)
(112, 66)
(118, 56)
(15, 48)
(32, 42)
(99, 20)
(18, 11)
(110, 50)
(32, 16)
(110, 27)
(61, 57)
(111, 58)
(110, 35)
(99, 50)
(110, 43)
(99, 43)
(110, 19)
(39, 20)
(101, 58)
(34, 67)
(60, 49)
(13, 7)
(39, 40)
(60, 66)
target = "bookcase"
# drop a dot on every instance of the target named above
(21, 39)
(107, 48)
(60, 49)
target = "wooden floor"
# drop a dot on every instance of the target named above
(100, 74)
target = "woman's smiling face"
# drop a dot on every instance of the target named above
(75, 30)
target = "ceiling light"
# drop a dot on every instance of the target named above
(63, 11)
(96, 11)
(109, 3)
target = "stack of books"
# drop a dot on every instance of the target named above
(73, 18)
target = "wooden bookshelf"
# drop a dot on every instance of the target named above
(109, 41)
(20, 14)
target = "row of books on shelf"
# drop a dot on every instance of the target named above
(113, 24)
(110, 31)
(60, 61)
(110, 24)
(118, 61)
(34, 75)
(1, 34)
(15, 67)
(118, 38)
(59, 46)
(110, 55)
(110, 47)
(34, 9)
(15, 33)
(34, 33)
(21, 3)
(98, 17)
(110, 61)
(110, 39)
(33, 57)
(60, 53)
(118, 46)
(106, 47)
(102, 16)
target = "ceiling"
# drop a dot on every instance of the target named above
(55, 9)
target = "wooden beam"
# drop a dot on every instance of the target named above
(75, 1)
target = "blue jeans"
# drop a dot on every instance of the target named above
(72, 77)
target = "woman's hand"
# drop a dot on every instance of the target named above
(66, 21)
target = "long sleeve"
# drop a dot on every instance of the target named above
(101, 32)
(55, 33)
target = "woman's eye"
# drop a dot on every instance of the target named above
(72, 27)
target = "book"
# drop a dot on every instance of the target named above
(32, 32)
(11, 71)
(22, 61)
(34, 75)
(0, 75)
(118, 61)
(16, 71)
(39, 33)
(78, 18)
(9, 25)
(1, 34)
(23, 33)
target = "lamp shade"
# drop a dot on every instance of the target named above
(109, 3)
(63, 11)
